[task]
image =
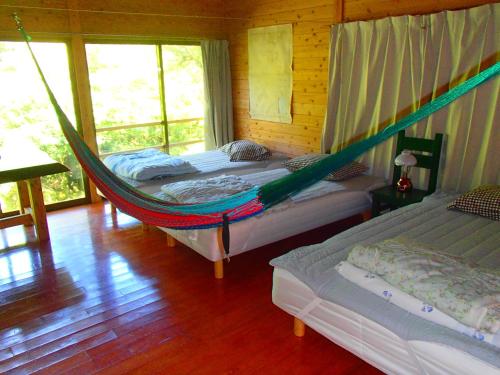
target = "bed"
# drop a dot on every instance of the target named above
(307, 286)
(210, 163)
(324, 203)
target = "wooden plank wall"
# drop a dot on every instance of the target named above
(311, 20)
(160, 18)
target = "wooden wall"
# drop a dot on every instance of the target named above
(311, 20)
(160, 18)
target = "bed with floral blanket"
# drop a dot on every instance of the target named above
(369, 304)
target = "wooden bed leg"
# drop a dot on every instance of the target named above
(113, 209)
(170, 241)
(299, 328)
(219, 269)
(366, 215)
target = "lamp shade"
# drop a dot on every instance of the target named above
(406, 158)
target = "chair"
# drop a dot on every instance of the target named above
(429, 160)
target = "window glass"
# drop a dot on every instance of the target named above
(124, 84)
(186, 137)
(130, 139)
(28, 121)
(183, 74)
(127, 97)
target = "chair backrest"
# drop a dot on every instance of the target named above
(429, 160)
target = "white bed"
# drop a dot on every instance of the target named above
(209, 164)
(326, 203)
(306, 286)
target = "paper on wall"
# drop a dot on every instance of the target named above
(270, 53)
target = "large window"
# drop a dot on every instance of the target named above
(27, 120)
(143, 95)
(147, 96)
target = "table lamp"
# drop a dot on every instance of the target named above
(405, 160)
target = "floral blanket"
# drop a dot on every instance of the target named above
(465, 291)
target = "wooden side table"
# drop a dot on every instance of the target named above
(26, 169)
(389, 198)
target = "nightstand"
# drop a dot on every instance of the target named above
(388, 198)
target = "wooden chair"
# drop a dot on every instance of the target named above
(429, 160)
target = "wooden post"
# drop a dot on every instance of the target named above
(219, 269)
(219, 264)
(170, 241)
(82, 83)
(24, 198)
(299, 328)
(113, 209)
(338, 16)
(38, 209)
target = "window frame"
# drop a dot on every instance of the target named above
(158, 43)
(67, 41)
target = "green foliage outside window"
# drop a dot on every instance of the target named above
(125, 86)
(125, 90)
(27, 120)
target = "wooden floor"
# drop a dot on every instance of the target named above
(107, 297)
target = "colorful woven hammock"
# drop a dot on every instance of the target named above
(153, 211)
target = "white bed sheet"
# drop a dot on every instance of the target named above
(414, 305)
(369, 340)
(287, 219)
(209, 164)
(456, 233)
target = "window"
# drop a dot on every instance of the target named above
(28, 121)
(147, 96)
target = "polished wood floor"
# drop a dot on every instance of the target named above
(106, 297)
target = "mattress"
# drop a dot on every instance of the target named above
(369, 340)
(209, 164)
(307, 211)
(473, 237)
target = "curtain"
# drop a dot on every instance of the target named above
(382, 70)
(218, 93)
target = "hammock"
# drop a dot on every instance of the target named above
(153, 211)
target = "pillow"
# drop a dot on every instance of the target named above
(347, 171)
(246, 150)
(483, 201)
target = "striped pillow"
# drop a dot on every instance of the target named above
(483, 200)
(246, 150)
(347, 171)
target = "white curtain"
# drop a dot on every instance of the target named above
(218, 93)
(382, 70)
